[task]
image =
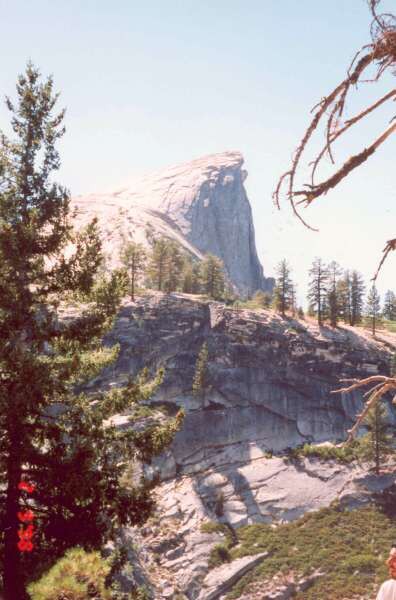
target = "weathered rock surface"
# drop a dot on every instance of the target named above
(221, 579)
(269, 384)
(201, 204)
(269, 379)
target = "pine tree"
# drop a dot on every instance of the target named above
(318, 287)
(357, 298)
(373, 307)
(174, 269)
(389, 311)
(333, 302)
(344, 297)
(133, 258)
(377, 445)
(159, 263)
(200, 381)
(283, 288)
(52, 433)
(213, 278)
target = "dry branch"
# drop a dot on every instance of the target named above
(381, 54)
(386, 384)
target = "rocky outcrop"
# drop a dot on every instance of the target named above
(220, 580)
(269, 379)
(201, 204)
(269, 383)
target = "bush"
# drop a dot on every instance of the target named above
(77, 576)
(344, 454)
(220, 554)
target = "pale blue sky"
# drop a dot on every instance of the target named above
(150, 84)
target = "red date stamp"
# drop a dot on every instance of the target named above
(26, 517)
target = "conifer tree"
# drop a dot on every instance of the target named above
(283, 288)
(318, 287)
(159, 263)
(389, 310)
(373, 308)
(191, 276)
(344, 297)
(200, 381)
(174, 269)
(377, 445)
(333, 302)
(213, 278)
(133, 258)
(357, 298)
(52, 433)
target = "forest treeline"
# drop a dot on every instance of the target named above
(165, 266)
(334, 294)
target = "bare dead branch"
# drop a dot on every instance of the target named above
(381, 54)
(390, 245)
(351, 164)
(383, 384)
(347, 125)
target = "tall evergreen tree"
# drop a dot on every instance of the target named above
(159, 263)
(200, 381)
(389, 310)
(344, 297)
(333, 300)
(175, 264)
(357, 297)
(318, 287)
(133, 258)
(377, 445)
(283, 291)
(213, 278)
(52, 433)
(373, 307)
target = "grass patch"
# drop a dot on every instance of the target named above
(349, 547)
(347, 453)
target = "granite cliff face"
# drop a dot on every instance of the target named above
(201, 204)
(268, 388)
(269, 379)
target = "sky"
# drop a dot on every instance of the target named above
(155, 83)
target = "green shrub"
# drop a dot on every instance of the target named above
(348, 547)
(344, 454)
(77, 576)
(220, 554)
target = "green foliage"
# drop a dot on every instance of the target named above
(52, 430)
(200, 381)
(213, 277)
(133, 257)
(348, 547)
(159, 263)
(213, 527)
(191, 277)
(219, 554)
(173, 276)
(377, 444)
(373, 307)
(389, 310)
(283, 292)
(357, 297)
(346, 453)
(77, 576)
(318, 288)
